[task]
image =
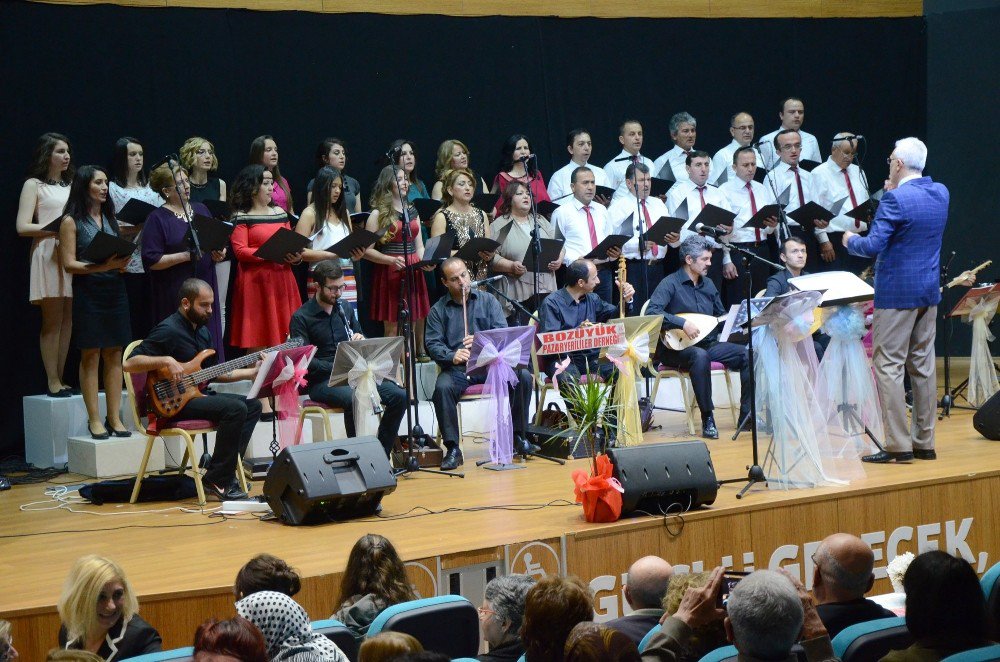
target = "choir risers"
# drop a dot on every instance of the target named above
(50, 422)
(115, 456)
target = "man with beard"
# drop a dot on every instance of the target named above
(324, 321)
(177, 340)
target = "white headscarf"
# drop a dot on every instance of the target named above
(287, 629)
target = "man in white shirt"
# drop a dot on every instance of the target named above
(836, 179)
(584, 224)
(741, 128)
(747, 197)
(647, 211)
(579, 146)
(787, 175)
(793, 113)
(630, 137)
(683, 131)
(698, 194)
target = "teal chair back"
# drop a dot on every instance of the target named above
(339, 634)
(174, 655)
(872, 640)
(724, 654)
(447, 624)
(984, 654)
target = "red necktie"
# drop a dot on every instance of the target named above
(850, 191)
(753, 209)
(701, 192)
(649, 224)
(798, 183)
(593, 228)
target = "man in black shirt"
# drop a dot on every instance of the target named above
(324, 321)
(177, 340)
(687, 290)
(842, 576)
(448, 345)
(794, 255)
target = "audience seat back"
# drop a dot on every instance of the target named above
(338, 633)
(724, 654)
(649, 635)
(989, 583)
(984, 654)
(174, 655)
(447, 624)
(872, 640)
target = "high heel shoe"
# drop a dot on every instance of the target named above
(97, 435)
(118, 433)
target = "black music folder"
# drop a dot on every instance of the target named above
(135, 212)
(105, 246)
(714, 216)
(360, 218)
(660, 186)
(436, 250)
(664, 225)
(485, 200)
(764, 213)
(545, 208)
(611, 241)
(606, 191)
(213, 234)
(220, 209)
(475, 245)
(550, 253)
(864, 212)
(281, 243)
(810, 211)
(357, 239)
(426, 208)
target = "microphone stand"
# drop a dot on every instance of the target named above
(414, 432)
(643, 267)
(536, 253)
(948, 399)
(783, 231)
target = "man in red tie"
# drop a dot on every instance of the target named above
(747, 197)
(583, 224)
(671, 165)
(836, 179)
(644, 210)
(788, 176)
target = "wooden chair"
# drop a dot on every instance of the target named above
(135, 385)
(315, 408)
(472, 393)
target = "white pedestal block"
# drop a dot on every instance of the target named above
(49, 422)
(103, 458)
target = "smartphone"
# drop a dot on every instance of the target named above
(730, 578)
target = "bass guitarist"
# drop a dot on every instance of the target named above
(687, 290)
(176, 340)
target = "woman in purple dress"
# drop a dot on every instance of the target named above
(166, 249)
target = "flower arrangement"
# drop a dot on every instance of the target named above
(897, 568)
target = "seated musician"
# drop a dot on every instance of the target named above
(177, 340)
(448, 344)
(576, 305)
(324, 321)
(793, 255)
(687, 290)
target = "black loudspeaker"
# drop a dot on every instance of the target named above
(661, 476)
(328, 481)
(987, 419)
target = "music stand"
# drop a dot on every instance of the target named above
(630, 356)
(363, 365)
(280, 375)
(980, 302)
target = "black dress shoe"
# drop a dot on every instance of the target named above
(452, 459)
(234, 493)
(708, 429)
(524, 447)
(98, 435)
(885, 457)
(61, 393)
(925, 454)
(118, 433)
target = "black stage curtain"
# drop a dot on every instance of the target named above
(99, 72)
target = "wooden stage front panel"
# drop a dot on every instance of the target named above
(452, 531)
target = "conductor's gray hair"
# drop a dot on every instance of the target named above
(681, 118)
(766, 614)
(912, 152)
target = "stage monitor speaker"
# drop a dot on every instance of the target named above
(658, 477)
(328, 481)
(987, 419)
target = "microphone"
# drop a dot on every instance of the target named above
(169, 160)
(710, 229)
(486, 281)
(525, 159)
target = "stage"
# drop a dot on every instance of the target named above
(456, 533)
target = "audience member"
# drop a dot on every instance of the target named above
(644, 591)
(387, 646)
(704, 638)
(501, 616)
(60, 655)
(100, 612)
(233, 640)
(842, 576)
(287, 630)
(7, 651)
(590, 642)
(945, 609)
(265, 572)
(374, 579)
(552, 608)
(422, 656)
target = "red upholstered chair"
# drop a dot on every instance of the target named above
(135, 385)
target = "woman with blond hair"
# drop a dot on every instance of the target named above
(452, 155)
(199, 159)
(100, 612)
(7, 651)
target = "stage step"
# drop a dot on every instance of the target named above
(116, 456)
(50, 422)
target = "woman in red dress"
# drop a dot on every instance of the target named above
(387, 281)
(517, 164)
(265, 294)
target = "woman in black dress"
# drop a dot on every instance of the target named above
(100, 305)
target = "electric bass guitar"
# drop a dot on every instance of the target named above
(677, 340)
(167, 395)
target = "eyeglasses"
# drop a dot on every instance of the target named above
(334, 288)
(744, 127)
(484, 612)
(889, 160)
(788, 148)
